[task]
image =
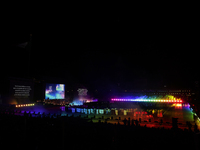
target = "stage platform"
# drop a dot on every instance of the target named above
(150, 117)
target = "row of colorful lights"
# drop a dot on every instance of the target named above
(25, 105)
(147, 100)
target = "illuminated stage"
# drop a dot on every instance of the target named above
(151, 117)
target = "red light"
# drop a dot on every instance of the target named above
(181, 101)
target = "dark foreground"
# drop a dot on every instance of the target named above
(31, 133)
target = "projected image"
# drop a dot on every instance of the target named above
(55, 91)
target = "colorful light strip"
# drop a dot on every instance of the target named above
(24, 105)
(147, 100)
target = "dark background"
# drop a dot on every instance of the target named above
(106, 51)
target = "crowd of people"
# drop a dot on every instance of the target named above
(38, 133)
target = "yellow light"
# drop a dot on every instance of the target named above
(16, 106)
(26, 105)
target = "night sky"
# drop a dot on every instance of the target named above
(108, 51)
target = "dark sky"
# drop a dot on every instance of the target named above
(112, 49)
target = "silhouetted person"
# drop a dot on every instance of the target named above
(129, 121)
(125, 121)
(132, 122)
(136, 122)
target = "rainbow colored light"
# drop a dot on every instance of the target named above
(24, 105)
(147, 100)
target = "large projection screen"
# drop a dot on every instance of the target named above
(55, 91)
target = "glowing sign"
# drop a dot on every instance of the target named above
(82, 92)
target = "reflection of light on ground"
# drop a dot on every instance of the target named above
(77, 103)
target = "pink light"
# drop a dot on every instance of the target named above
(181, 101)
(175, 101)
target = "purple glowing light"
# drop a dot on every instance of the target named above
(147, 100)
